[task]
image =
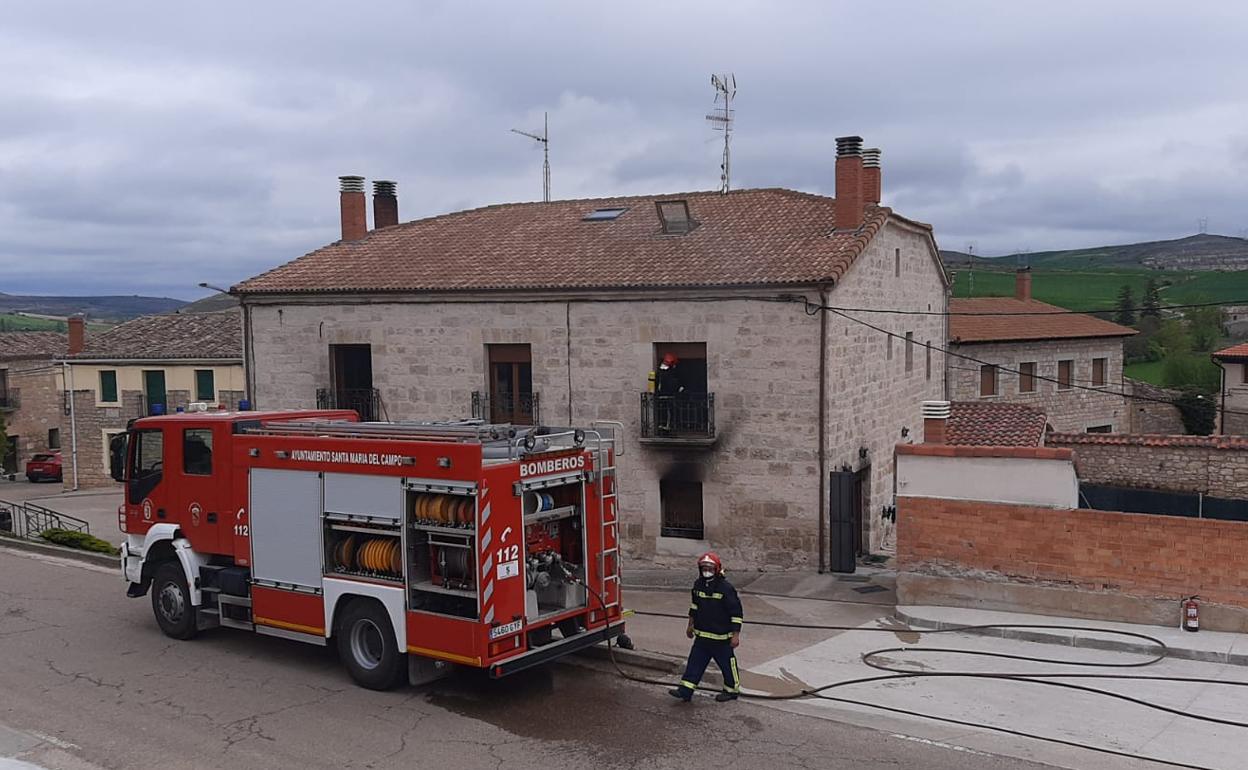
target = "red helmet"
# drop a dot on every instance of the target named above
(670, 359)
(711, 558)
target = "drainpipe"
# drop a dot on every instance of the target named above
(823, 428)
(249, 364)
(1222, 411)
(67, 379)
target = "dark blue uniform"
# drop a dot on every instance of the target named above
(715, 610)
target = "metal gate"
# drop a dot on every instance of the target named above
(845, 520)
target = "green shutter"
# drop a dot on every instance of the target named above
(108, 387)
(205, 388)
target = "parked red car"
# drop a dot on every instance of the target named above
(44, 466)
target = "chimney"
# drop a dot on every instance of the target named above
(935, 420)
(1022, 284)
(77, 334)
(354, 208)
(848, 208)
(871, 176)
(385, 204)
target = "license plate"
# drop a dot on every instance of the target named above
(510, 628)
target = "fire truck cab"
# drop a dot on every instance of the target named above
(410, 546)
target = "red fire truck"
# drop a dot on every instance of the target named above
(411, 546)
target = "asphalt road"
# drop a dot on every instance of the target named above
(88, 681)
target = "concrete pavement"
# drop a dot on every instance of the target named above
(98, 507)
(85, 673)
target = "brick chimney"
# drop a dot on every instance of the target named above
(871, 175)
(1022, 284)
(77, 334)
(849, 197)
(385, 204)
(935, 420)
(354, 208)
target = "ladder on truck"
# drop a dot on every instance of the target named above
(609, 510)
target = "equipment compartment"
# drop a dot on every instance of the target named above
(356, 549)
(441, 552)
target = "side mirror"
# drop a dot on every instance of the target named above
(117, 456)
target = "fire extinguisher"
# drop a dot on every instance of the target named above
(1191, 614)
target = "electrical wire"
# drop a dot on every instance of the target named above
(894, 673)
(1055, 311)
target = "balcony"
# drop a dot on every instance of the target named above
(505, 408)
(365, 401)
(9, 400)
(687, 419)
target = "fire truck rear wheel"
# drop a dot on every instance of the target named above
(367, 647)
(171, 602)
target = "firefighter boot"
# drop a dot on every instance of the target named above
(681, 693)
(725, 696)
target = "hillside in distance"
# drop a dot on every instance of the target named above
(102, 308)
(1193, 253)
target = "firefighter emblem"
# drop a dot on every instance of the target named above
(147, 510)
(195, 511)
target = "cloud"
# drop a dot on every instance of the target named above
(156, 146)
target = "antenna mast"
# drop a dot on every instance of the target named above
(544, 138)
(725, 89)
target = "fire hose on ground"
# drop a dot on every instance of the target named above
(877, 659)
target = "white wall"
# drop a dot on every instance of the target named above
(1027, 481)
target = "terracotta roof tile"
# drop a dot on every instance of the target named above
(1239, 443)
(743, 238)
(170, 337)
(1234, 352)
(1053, 323)
(995, 424)
(19, 345)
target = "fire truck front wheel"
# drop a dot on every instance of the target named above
(171, 602)
(367, 647)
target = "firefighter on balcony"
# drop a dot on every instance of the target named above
(667, 388)
(715, 619)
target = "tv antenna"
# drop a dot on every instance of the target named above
(544, 138)
(725, 90)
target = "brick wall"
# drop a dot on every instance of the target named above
(1073, 410)
(35, 383)
(1151, 411)
(1213, 465)
(590, 358)
(1135, 554)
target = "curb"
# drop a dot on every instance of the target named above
(640, 658)
(1112, 645)
(48, 549)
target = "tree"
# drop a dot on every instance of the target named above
(1172, 338)
(1126, 307)
(1152, 299)
(1191, 370)
(1204, 327)
(1198, 411)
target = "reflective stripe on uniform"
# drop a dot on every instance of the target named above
(686, 683)
(692, 606)
(703, 595)
(736, 677)
(735, 620)
(709, 635)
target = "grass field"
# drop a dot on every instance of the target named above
(1098, 290)
(1148, 371)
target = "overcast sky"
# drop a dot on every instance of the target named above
(145, 146)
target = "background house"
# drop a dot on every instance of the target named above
(778, 452)
(1067, 364)
(1233, 417)
(29, 395)
(150, 365)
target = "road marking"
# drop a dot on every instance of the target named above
(52, 739)
(940, 744)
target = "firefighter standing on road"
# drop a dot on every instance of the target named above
(715, 619)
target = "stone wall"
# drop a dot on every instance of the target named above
(1212, 465)
(1074, 410)
(591, 356)
(36, 385)
(1151, 409)
(1135, 554)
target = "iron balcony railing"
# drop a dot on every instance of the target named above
(365, 401)
(9, 399)
(683, 417)
(506, 408)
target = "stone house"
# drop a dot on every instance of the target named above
(30, 402)
(1233, 408)
(558, 313)
(150, 365)
(1017, 349)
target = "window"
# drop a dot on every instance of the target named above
(108, 386)
(511, 384)
(681, 502)
(148, 462)
(674, 216)
(888, 347)
(897, 263)
(988, 380)
(1101, 429)
(1027, 377)
(603, 215)
(54, 438)
(1244, 373)
(909, 352)
(197, 451)
(1065, 374)
(1098, 371)
(205, 387)
(928, 364)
